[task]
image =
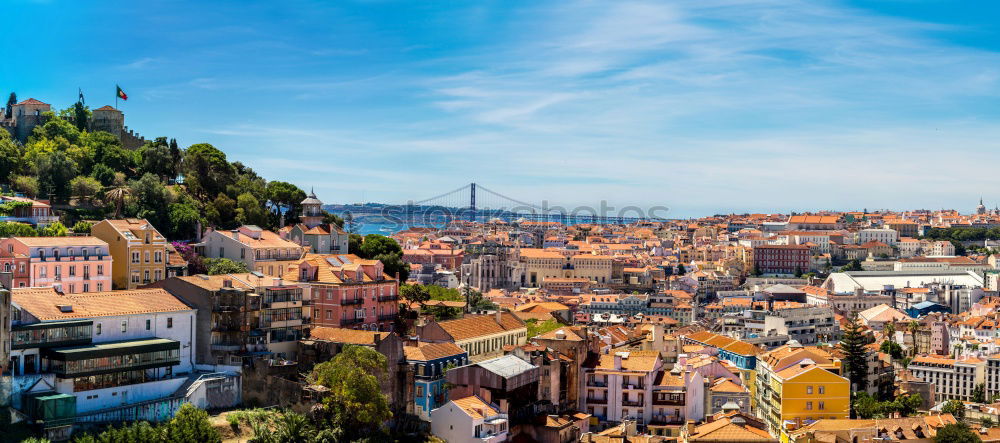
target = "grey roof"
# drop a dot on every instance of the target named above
(782, 289)
(311, 199)
(506, 366)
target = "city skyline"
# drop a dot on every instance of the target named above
(703, 107)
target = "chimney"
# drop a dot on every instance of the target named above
(235, 234)
(618, 362)
(498, 315)
(227, 283)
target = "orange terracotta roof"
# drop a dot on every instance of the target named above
(350, 336)
(431, 351)
(44, 303)
(478, 325)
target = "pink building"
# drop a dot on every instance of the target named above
(76, 264)
(347, 291)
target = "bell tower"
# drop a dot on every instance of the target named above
(312, 210)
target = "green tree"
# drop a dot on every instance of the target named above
(680, 269)
(55, 171)
(149, 200)
(956, 433)
(892, 348)
(249, 211)
(53, 230)
(386, 250)
(190, 425)
(10, 156)
(118, 195)
(84, 187)
(184, 220)
(354, 244)
(15, 229)
(155, 158)
(25, 184)
(356, 401)
(954, 407)
(286, 196)
(853, 265)
(82, 227)
(333, 219)
(206, 170)
(798, 272)
(855, 357)
(221, 212)
(217, 266)
(415, 293)
(979, 393)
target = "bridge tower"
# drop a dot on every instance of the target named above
(472, 197)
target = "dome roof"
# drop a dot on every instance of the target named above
(311, 199)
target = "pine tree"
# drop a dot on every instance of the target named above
(855, 360)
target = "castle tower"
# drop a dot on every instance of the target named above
(981, 209)
(312, 210)
(26, 116)
(108, 119)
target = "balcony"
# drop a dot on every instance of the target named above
(352, 301)
(388, 298)
(632, 386)
(633, 403)
(597, 401)
(351, 321)
(597, 384)
(664, 419)
(226, 347)
(227, 327)
(668, 402)
(387, 317)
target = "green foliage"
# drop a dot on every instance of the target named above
(536, 328)
(956, 433)
(415, 293)
(867, 407)
(855, 356)
(184, 220)
(25, 184)
(53, 230)
(189, 425)
(287, 196)
(221, 212)
(155, 158)
(15, 229)
(206, 171)
(333, 219)
(216, 266)
(55, 171)
(149, 198)
(356, 401)
(8, 208)
(249, 211)
(853, 265)
(892, 348)
(84, 187)
(979, 393)
(10, 156)
(954, 407)
(82, 227)
(680, 269)
(384, 249)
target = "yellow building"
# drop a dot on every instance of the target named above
(796, 385)
(544, 264)
(138, 251)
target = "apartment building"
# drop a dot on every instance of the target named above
(429, 362)
(481, 336)
(346, 291)
(470, 420)
(138, 251)
(242, 314)
(954, 379)
(73, 264)
(260, 250)
(781, 259)
(619, 386)
(796, 384)
(108, 349)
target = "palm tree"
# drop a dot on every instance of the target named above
(914, 326)
(118, 194)
(890, 330)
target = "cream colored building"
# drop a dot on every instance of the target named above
(542, 264)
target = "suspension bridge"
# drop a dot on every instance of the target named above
(474, 202)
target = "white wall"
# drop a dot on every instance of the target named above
(122, 395)
(182, 331)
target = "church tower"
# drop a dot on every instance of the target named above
(981, 209)
(312, 210)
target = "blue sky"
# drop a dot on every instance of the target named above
(702, 106)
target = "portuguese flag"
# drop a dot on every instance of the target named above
(121, 94)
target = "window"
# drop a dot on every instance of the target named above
(146, 256)
(72, 271)
(124, 326)
(822, 406)
(149, 324)
(822, 390)
(135, 256)
(809, 389)
(329, 314)
(158, 257)
(100, 269)
(145, 276)
(809, 405)
(135, 277)
(100, 287)
(170, 322)
(86, 287)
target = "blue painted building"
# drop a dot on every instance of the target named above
(926, 307)
(429, 362)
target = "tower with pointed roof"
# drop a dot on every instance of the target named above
(312, 210)
(981, 209)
